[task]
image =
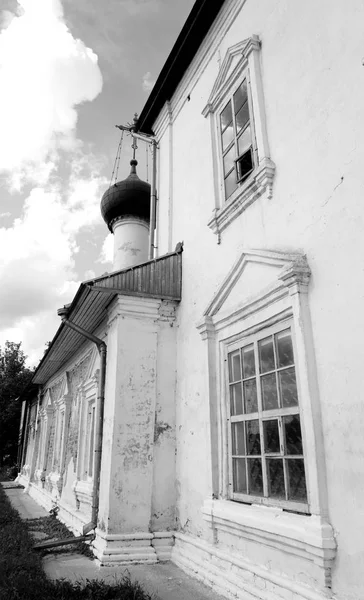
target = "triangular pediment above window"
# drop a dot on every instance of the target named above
(255, 274)
(47, 402)
(234, 63)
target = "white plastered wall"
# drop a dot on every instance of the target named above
(311, 61)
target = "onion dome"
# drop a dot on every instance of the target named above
(130, 197)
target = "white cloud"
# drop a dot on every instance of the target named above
(38, 267)
(148, 82)
(5, 214)
(107, 250)
(44, 73)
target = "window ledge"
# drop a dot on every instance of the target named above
(258, 182)
(308, 536)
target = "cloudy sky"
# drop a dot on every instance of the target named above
(69, 71)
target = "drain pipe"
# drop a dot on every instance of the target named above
(101, 346)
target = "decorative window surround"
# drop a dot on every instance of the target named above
(45, 414)
(308, 536)
(278, 291)
(62, 407)
(234, 576)
(241, 60)
(82, 487)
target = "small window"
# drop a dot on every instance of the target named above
(265, 441)
(236, 139)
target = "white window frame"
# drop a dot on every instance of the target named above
(282, 298)
(262, 416)
(90, 422)
(242, 61)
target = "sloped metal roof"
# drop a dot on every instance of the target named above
(157, 278)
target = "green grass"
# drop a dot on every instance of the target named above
(22, 576)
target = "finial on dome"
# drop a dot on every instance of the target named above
(133, 164)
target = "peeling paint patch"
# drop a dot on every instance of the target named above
(159, 428)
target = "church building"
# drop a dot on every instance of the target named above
(201, 403)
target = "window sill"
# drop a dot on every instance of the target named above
(260, 181)
(306, 536)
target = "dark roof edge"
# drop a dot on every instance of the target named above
(198, 23)
(84, 285)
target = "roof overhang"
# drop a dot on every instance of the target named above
(159, 278)
(198, 23)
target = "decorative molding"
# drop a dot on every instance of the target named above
(232, 575)
(259, 182)
(308, 537)
(167, 311)
(293, 267)
(129, 548)
(135, 307)
(242, 61)
(229, 72)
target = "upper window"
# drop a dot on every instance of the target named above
(265, 442)
(237, 139)
(243, 170)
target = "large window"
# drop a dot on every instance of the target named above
(237, 139)
(265, 442)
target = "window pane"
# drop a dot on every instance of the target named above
(245, 165)
(292, 432)
(284, 348)
(230, 184)
(236, 399)
(269, 391)
(229, 160)
(266, 355)
(275, 474)
(248, 361)
(271, 436)
(239, 475)
(242, 117)
(238, 438)
(234, 366)
(296, 480)
(226, 116)
(252, 437)
(250, 396)
(240, 96)
(227, 137)
(244, 141)
(287, 381)
(255, 477)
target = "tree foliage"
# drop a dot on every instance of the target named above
(14, 376)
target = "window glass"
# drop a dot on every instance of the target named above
(250, 396)
(229, 160)
(230, 184)
(236, 139)
(226, 116)
(248, 361)
(271, 436)
(244, 141)
(240, 96)
(266, 440)
(255, 476)
(242, 117)
(266, 355)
